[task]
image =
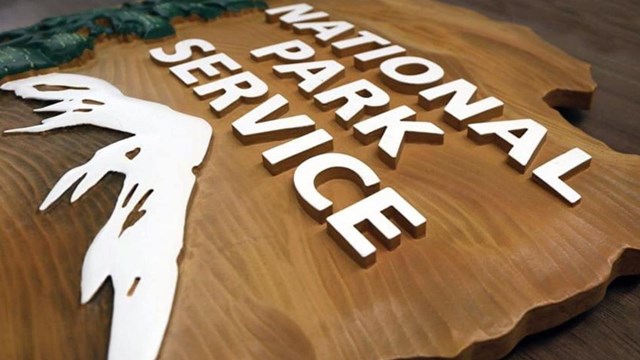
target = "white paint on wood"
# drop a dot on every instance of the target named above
(141, 259)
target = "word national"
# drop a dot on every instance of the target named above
(310, 150)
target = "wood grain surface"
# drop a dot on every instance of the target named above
(608, 38)
(280, 288)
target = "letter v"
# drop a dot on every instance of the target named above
(252, 128)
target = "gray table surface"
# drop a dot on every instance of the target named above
(603, 33)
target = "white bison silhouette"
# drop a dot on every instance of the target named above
(139, 257)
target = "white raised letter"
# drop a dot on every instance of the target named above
(458, 112)
(354, 99)
(325, 73)
(417, 74)
(372, 58)
(373, 213)
(322, 168)
(252, 90)
(393, 130)
(291, 14)
(183, 51)
(522, 148)
(290, 154)
(552, 173)
(251, 127)
(365, 41)
(183, 71)
(288, 51)
(325, 31)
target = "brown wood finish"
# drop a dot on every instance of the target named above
(259, 278)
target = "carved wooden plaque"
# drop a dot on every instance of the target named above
(338, 179)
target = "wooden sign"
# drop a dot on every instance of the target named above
(354, 179)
